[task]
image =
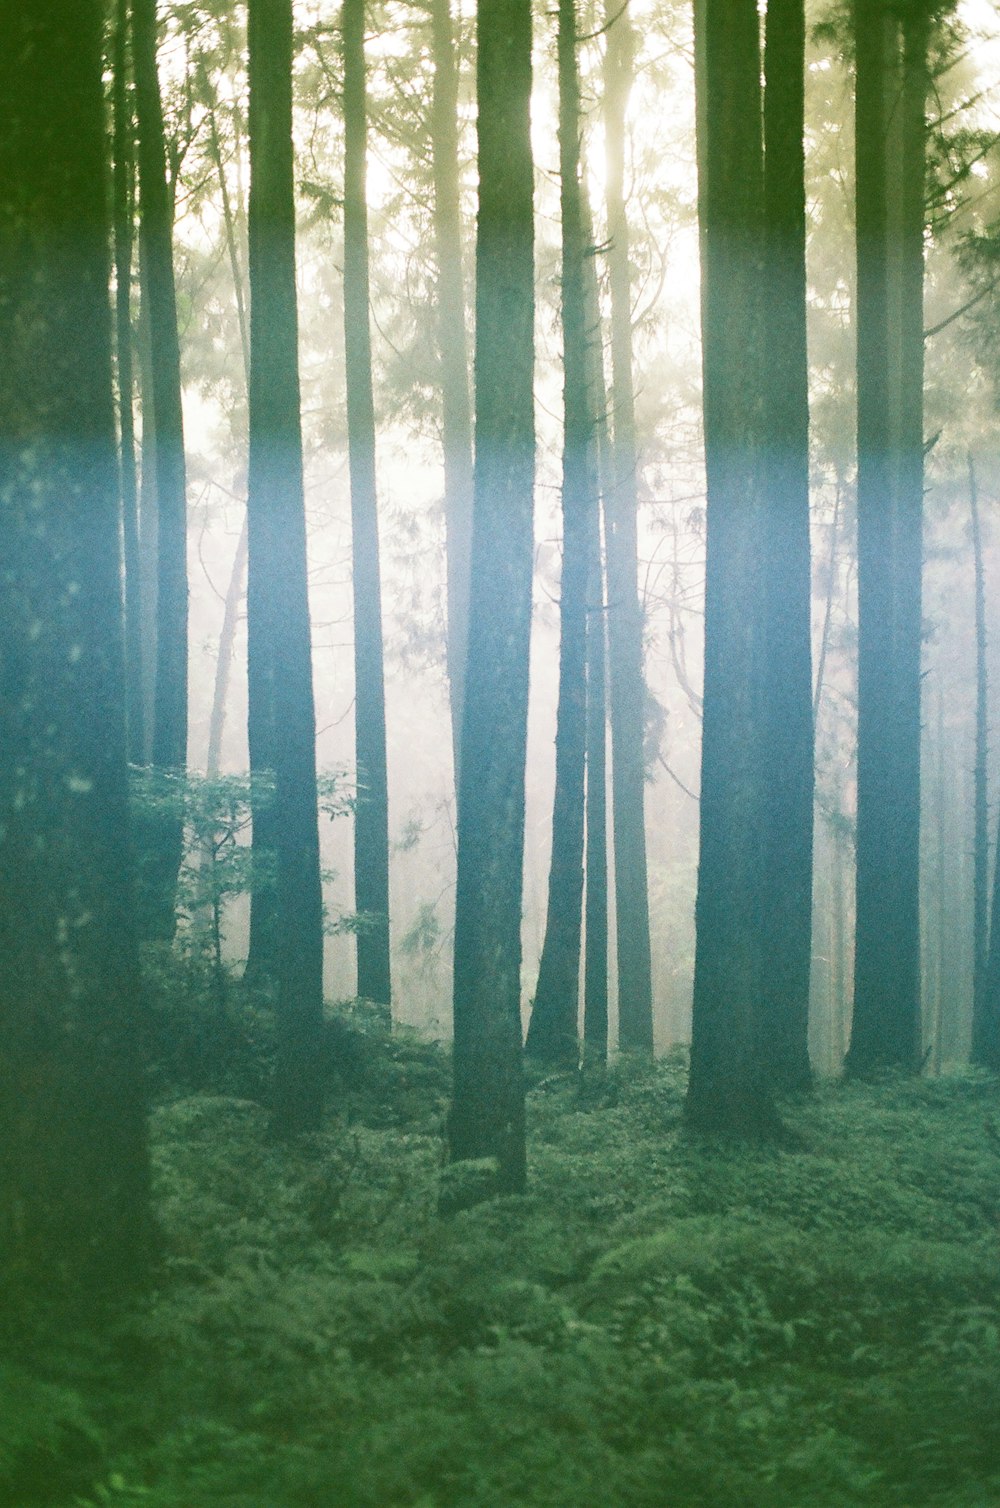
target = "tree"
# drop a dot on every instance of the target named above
(552, 1034)
(123, 221)
(163, 842)
(627, 692)
(456, 414)
(371, 822)
(890, 101)
(984, 1014)
(729, 1087)
(788, 864)
(277, 601)
(74, 1198)
(487, 1111)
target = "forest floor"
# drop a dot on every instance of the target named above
(659, 1323)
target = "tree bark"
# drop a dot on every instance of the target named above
(170, 713)
(278, 607)
(371, 818)
(123, 180)
(891, 83)
(553, 1036)
(487, 1113)
(730, 1088)
(788, 861)
(627, 690)
(981, 1030)
(74, 1176)
(456, 410)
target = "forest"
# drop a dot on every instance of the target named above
(499, 792)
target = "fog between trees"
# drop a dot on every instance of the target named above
(661, 195)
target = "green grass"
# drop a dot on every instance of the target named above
(660, 1323)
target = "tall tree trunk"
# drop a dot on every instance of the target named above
(625, 678)
(279, 604)
(371, 819)
(170, 713)
(787, 880)
(74, 1177)
(128, 477)
(487, 1113)
(595, 969)
(456, 411)
(237, 576)
(890, 127)
(980, 846)
(553, 1033)
(730, 1083)
(147, 528)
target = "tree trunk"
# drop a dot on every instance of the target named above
(161, 860)
(595, 969)
(553, 1033)
(279, 605)
(730, 1085)
(74, 1177)
(891, 134)
(456, 412)
(980, 847)
(371, 818)
(237, 576)
(625, 679)
(787, 881)
(487, 1113)
(124, 179)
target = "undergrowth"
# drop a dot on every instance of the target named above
(659, 1323)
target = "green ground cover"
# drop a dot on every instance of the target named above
(660, 1323)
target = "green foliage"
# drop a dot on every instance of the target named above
(657, 1321)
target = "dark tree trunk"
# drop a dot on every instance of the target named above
(553, 1032)
(487, 1113)
(124, 178)
(74, 1195)
(162, 847)
(456, 412)
(891, 84)
(277, 564)
(787, 880)
(627, 692)
(595, 966)
(147, 528)
(371, 819)
(730, 1087)
(983, 1027)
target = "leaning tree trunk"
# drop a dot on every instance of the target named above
(162, 856)
(456, 413)
(553, 1034)
(890, 126)
(124, 178)
(487, 1112)
(278, 609)
(787, 916)
(371, 818)
(74, 1177)
(729, 1088)
(626, 687)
